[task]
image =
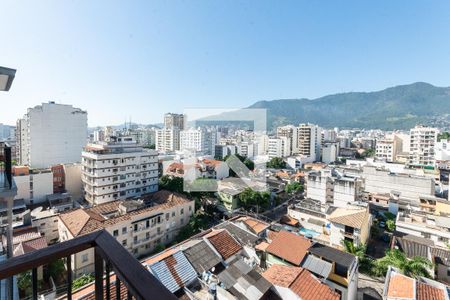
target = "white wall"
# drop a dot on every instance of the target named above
(57, 134)
(42, 186)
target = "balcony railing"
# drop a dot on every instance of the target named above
(110, 256)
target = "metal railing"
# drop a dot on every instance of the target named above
(110, 256)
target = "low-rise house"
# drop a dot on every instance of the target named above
(287, 249)
(298, 283)
(222, 241)
(350, 224)
(139, 225)
(230, 188)
(343, 276)
(201, 168)
(398, 286)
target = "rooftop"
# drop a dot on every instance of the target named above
(82, 221)
(289, 246)
(332, 254)
(354, 217)
(224, 243)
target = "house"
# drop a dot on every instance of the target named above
(139, 225)
(350, 224)
(343, 276)
(399, 286)
(298, 283)
(222, 241)
(230, 188)
(287, 249)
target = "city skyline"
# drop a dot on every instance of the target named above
(156, 57)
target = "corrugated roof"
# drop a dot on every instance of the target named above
(244, 282)
(244, 237)
(202, 257)
(317, 266)
(174, 272)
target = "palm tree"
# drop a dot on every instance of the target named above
(414, 267)
(359, 251)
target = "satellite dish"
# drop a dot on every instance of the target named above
(36, 210)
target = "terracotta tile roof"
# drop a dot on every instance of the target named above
(281, 275)
(224, 243)
(401, 286)
(355, 218)
(25, 234)
(289, 246)
(262, 246)
(83, 221)
(288, 220)
(301, 282)
(308, 287)
(428, 292)
(33, 245)
(255, 225)
(271, 234)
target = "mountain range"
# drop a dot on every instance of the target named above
(399, 107)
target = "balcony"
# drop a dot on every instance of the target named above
(110, 256)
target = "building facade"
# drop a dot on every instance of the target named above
(51, 134)
(118, 169)
(423, 141)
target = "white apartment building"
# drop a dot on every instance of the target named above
(309, 140)
(383, 181)
(330, 152)
(278, 147)
(200, 140)
(118, 169)
(442, 150)
(139, 225)
(389, 148)
(33, 185)
(334, 189)
(423, 141)
(167, 140)
(290, 132)
(51, 134)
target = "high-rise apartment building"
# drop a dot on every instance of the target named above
(199, 140)
(51, 134)
(278, 147)
(172, 120)
(291, 133)
(422, 143)
(167, 139)
(118, 169)
(309, 140)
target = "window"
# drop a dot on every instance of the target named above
(85, 257)
(167, 216)
(147, 235)
(124, 230)
(182, 211)
(158, 230)
(426, 235)
(116, 232)
(190, 208)
(173, 214)
(147, 224)
(135, 227)
(124, 242)
(135, 239)
(182, 221)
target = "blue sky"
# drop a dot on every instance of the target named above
(140, 59)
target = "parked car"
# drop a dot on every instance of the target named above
(382, 224)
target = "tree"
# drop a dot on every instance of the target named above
(443, 136)
(276, 163)
(390, 225)
(414, 267)
(293, 187)
(174, 184)
(82, 281)
(366, 264)
(250, 198)
(55, 269)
